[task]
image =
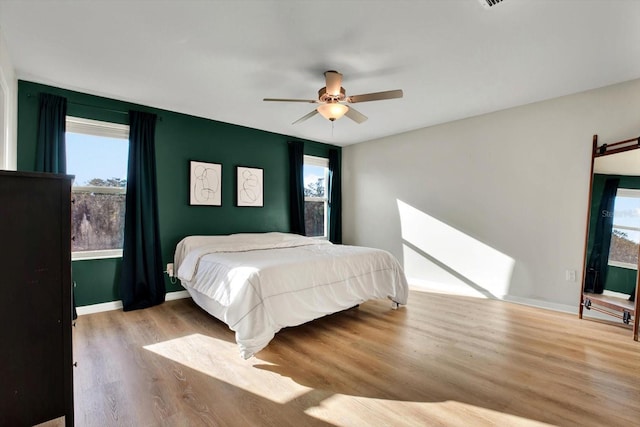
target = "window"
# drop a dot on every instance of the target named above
(626, 229)
(97, 154)
(316, 175)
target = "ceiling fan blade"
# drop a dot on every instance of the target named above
(309, 101)
(333, 82)
(308, 116)
(376, 96)
(355, 115)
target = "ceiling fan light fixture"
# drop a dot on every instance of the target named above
(332, 99)
(332, 111)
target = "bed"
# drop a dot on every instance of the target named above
(259, 283)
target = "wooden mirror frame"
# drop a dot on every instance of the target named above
(604, 305)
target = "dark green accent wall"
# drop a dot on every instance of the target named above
(96, 281)
(179, 139)
(619, 279)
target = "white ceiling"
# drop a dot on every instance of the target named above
(218, 59)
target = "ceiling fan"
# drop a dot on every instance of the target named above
(332, 99)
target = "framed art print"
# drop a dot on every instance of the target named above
(205, 184)
(250, 186)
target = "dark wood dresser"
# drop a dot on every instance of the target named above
(36, 373)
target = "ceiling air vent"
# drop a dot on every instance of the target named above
(489, 3)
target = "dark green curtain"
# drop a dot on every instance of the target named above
(296, 187)
(335, 198)
(141, 284)
(51, 153)
(598, 262)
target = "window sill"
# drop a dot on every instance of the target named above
(318, 237)
(626, 265)
(90, 255)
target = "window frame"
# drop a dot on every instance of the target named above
(628, 193)
(100, 128)
(324, 163)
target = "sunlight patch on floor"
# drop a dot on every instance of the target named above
(221, 360)
(401, 413)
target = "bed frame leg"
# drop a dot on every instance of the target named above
(394, 305)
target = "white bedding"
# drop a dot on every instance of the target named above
(260, 283)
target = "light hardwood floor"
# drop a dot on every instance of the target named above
(441, 360)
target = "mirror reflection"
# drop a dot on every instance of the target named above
(614, 237)
(613, 241)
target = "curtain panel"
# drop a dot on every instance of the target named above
(597, 265)
(335, 198)
(51, 150)
(142, 284)
(296, 187)
(51, 153)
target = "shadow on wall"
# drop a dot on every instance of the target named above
(441, 258)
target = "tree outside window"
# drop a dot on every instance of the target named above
(625, 237)
(316, 171)
(97, 154)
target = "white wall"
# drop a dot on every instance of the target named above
(494, 204)
(8, 109)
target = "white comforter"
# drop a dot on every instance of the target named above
(259, 283)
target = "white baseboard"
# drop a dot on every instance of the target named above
(542, 304)
(117, 305)
(176, 295)
(97, 308)
(466, 291)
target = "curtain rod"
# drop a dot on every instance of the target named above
(111, 110)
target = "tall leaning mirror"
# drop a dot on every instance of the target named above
(612, 241)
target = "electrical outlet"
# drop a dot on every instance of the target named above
(170, 269)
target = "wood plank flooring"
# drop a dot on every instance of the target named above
(443, 360)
